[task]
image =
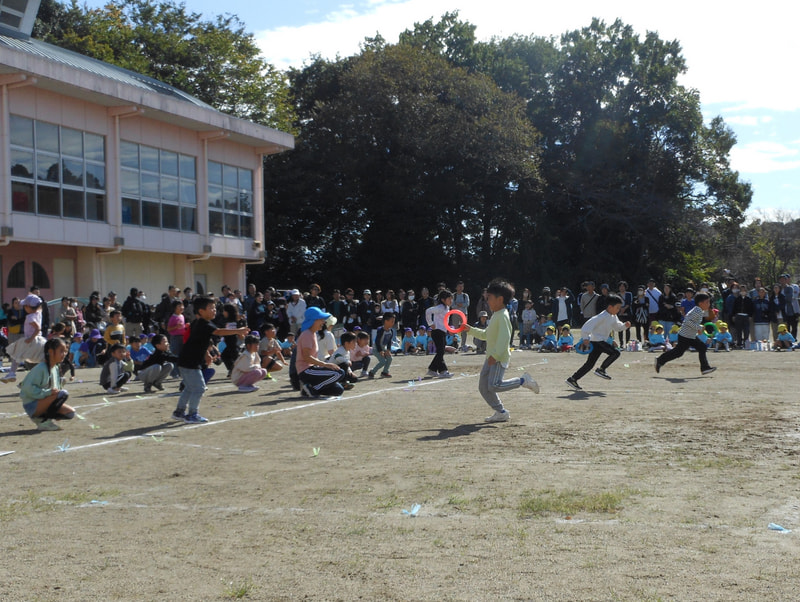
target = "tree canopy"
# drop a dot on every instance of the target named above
(215, 60)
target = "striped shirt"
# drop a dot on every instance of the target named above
(691, 323)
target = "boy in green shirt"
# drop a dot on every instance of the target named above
(497, 335)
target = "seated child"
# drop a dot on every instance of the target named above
(673, 335)
(138, 353)
(421, 340)
(658, 341)
(409, 341)
(288, 345)
(269, 349)
(452, 343)
(431, 345)
(706, 333)
(247, 370)
(113, 375)
(566, 342)
(342, 357)
(93, 350)
(540, 329)
(147, 341)
(326, 341)
(360, 355)
(549, 342)
(723, 339)
(482, 323)
(785, 339)
(158, 365)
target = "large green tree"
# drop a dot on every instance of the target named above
(215, 60)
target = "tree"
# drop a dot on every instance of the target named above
(213, 60)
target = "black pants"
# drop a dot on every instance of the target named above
(598, 348)
(680, 349)
(439, 339)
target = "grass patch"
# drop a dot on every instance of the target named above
(45, 501)
(716, 463)
(239, 589)
(571, 502)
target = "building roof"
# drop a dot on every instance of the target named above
(74, 74)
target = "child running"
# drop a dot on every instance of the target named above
(687, 336)
(596, 331)
(498, 339)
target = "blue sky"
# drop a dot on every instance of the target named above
(740, 56)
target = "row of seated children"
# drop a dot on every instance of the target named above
(422, 343)
(550, 344)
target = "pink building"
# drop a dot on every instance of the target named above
(110, 179)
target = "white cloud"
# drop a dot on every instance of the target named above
(748, 120)
(764, 157)
(736, 54)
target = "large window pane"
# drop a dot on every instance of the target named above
(187, 167)
(169, 189)
(129, 182)
(71, 142)
(130, 212)
(245, 202)
(230, 176)
(40, 277)
(188, 193)
(215, 222)
(94, 147)
(22, 131)
(149, 158)
(95, 176)
(48, 199)
(129, 154)
(73, 172)
(246, 227)
(169, 217)
(46, 137)
(150, 186)
(231, 224)
(214, 197)
(21, 164)
(230, 198)
(151, 214)
(187, 219)
(214, 173)
(48, 168)
(73, 203)
(95, 207)
(22, 197)
(246, 179)
(169, 163)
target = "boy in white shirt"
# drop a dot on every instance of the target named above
(596, 331)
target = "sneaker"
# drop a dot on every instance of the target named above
(8, 378)
(113, 391)
(268, 376)
(248, 389)
(371, 375)
(178, 415)
(658, 366)
(385, 375)
(708, 370)
(364, 373)
(602, 374)
(348, 386)
(503, 416)
(48, 425)
(445, 374)
(305, 391)
(431, 374)
(574, 384)
(194, 419)
(148, 390)
(123, 389)
(158, 386)
(529, 383)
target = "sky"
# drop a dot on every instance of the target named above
(741, 57)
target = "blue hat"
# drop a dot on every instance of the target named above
(312, 315)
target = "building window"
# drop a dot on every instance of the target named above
(57, 171)
(40, 277)
(230, 200)
(16, 276)
(159, 188)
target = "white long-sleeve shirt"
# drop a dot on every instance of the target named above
(600, 326)
(435, 316)
(296, 311)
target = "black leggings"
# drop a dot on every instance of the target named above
(598, 348)
(437, 363)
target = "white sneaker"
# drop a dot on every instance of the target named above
(431, 374)
(123, 389)
(48, 425)
(248, 389)
(113, 391)
(503, 416)
(364, 373)
(529, 383)
(445, 374)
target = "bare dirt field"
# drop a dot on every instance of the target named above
(645, 487)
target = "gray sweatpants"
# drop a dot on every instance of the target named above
(155, 374)
(491, 382)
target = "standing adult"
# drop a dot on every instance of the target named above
(561, 308)
(791, 294)
(133, 312)
(588, 300)
(313, 299)
(626, 311)
(668, 312)
(425, 303)
(653, 295)
(544, 304)
(777, 305)
(461, 303)
(295, 310)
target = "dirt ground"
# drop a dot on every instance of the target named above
(645, 487)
